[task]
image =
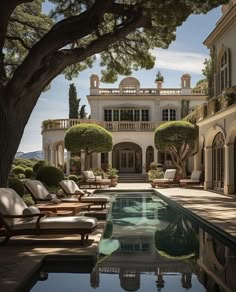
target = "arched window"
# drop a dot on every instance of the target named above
(169, 114)
(218, 161)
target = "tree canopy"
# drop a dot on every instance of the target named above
(35, 48)
(178, 138)
(88, 137)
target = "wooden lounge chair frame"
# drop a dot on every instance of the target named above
(80, 195)
(166, 183)
(7, 232)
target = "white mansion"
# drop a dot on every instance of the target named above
(131, 114)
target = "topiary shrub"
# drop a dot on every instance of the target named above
(50, 175)
(17, 185)
(21, 176)
(18, 170)
(38, 165)
(29, 173)
(73, 177)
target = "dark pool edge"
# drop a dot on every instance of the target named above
(219, 233)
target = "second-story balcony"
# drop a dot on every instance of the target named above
(120, 126)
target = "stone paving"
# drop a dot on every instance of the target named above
(20, 257)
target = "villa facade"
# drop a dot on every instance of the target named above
(217, 128)
(131, 114)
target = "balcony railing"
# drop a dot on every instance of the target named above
(141, 91)
(123, 126)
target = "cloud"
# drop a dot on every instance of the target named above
(187, 62)
(43, 99)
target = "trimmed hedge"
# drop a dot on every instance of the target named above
(50, 175)
(73, 177)
(38, 165)
(17, 185)
(29, 173)
(18, 170)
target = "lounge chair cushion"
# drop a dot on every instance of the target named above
(94, 199)
(38, 189)
(196, 174)
(170, 174)
(69, 222)
(189, 181)
(51, 196)
(11, 204)
(70, 187)
(89, 174)
(163, 180)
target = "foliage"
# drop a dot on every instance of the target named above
(88, 137)
(29, 173)
(82, 112)
(17, 185)
(155, 173)
(111, 172)
(184, 108)
(73, 177)
(109, 230)
(73, 102)
(159, 77)
(208, 72)
(179, 239)
(49, 175)
(35, 48)
(28, 200)
(178, 138)
(18, 170)
(24, 162)
(38, 165)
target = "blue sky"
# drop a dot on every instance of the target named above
(185, 55)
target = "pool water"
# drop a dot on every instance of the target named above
(148, 246)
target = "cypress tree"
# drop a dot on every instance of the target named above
(73, 102)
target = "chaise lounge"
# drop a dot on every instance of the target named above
(194, 179)
(18, 219)
(70, 188)
(168, 180)
(41, 195)
(93, 180)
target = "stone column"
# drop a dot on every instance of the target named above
(208, 183)
(143, 162)
(52, 156)
(82, 157)
(68, 162)
(109, 158)
(155, 155)
(99, 160)
(197, 160)
(229, 169)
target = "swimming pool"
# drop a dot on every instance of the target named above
(147, 246)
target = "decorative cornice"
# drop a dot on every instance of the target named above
(221, 27)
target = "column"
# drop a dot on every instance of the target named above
(52, 156)
(208, 184)
(82, 160)
(143, 162)
(229, 169)
(155, 155)
(99, 160)
(68, 162)
(109, 158)
(197, 160)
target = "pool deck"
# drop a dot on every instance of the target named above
(20, 258)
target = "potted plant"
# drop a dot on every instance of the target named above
(112, 175)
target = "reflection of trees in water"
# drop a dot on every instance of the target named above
(178, 239)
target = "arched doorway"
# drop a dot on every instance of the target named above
(218, 161)
(127, 157)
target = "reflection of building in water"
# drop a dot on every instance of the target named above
(217, 264)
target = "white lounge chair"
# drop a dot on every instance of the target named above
(169, 178)
(92, 179)
(194, 179)
(71, 188)
(18, 219)
(40, 194)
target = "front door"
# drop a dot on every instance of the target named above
(127, 161)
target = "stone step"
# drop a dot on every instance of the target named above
(132, 177)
